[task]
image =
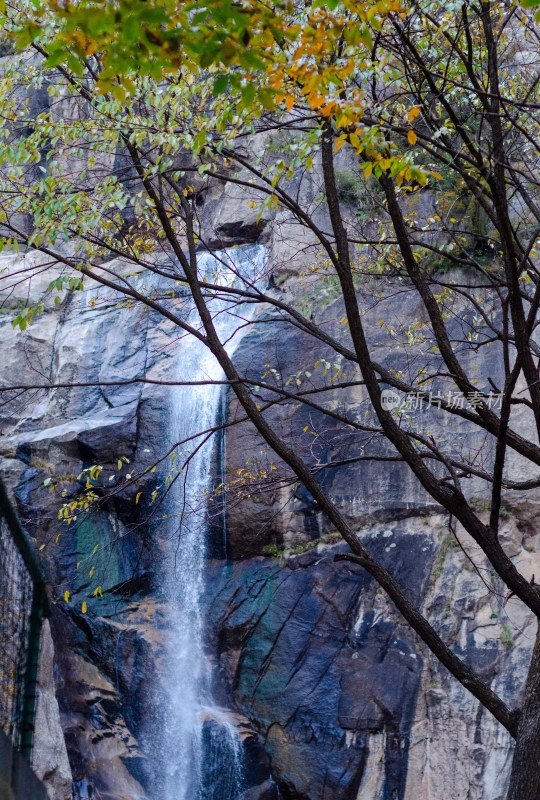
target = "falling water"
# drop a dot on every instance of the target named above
(201, 752)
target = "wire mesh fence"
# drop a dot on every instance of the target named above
(23, 604)
(15, 606)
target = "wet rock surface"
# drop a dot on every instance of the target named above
(315, 669)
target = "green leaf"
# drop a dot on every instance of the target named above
(248, 94)
(131, 28)
(220, 85)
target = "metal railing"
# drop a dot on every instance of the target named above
(23, 605)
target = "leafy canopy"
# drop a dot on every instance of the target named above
(310, 45)
(286, 57)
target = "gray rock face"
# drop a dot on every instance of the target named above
(228, 219)
(334, 697)
(49, 755)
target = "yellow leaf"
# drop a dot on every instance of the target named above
(289, 102)
(66, 596)
(41, 547)
(305, 429)
(118, 91)
(95, 549)
(84, 607)
(91, 571)
(411, 136)
(138, 497)
(339, 145)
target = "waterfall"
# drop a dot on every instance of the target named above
(201, 754)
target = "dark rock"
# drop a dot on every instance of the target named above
(315, 672)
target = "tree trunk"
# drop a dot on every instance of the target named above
(525, 776)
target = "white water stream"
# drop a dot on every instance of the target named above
(200, 743)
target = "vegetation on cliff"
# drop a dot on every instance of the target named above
(435, 107)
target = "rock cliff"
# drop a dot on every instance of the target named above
(333, 695)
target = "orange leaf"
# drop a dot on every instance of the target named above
(328, 110)
(413, 113)
(289, 102)
(411, 136)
